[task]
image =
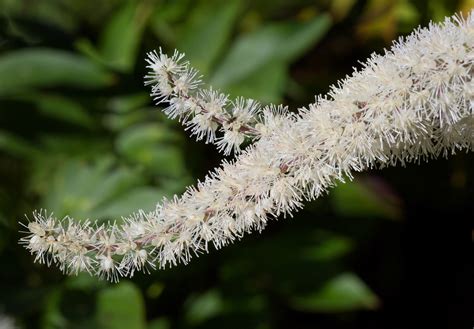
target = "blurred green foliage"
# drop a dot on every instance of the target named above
(79, 136)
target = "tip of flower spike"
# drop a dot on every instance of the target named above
(108, 251)
(206, 113)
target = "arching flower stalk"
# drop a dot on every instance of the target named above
(205, 112)
(413, 103)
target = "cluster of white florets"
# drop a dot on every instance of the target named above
(413, 103)
(208, 114)
(83, 247)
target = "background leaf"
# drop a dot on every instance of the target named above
(16, 146)
(151, 146)
(366, 198)
(274, 42)
(121, 37)
(79, 188)
(28, 68)
(64, 109)
(203, 307)
(266, 84)
(121, 307)
(202, 38)
(345, 292)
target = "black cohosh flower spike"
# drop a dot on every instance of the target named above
(413, 103)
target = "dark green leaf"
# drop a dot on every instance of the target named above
(63, 108)
(144, 136)
(328, 247)
(35, 67)
(16, 146)
(146, 144)
(203, 37)
(203, 307)
(121, 307)
(266, 84)
(127, 103)
(144, 198)
(80, 189)
(359, 199)
(343, 293)
(277, 42)
(161, 323)
(84, 282)
(120, 40)
(165, 14)
(52, 317)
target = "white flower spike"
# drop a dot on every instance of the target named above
(203, 112)
(413, 103)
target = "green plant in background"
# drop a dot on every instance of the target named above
(78, 135)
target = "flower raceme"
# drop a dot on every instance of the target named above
(413, 103)
(206, 111)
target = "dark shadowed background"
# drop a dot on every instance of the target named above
(79, 135)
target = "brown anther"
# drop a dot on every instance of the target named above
(284, 168)
(360, 104)
(208, 213)
(356, 116)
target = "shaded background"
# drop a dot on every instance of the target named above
(79, 135)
